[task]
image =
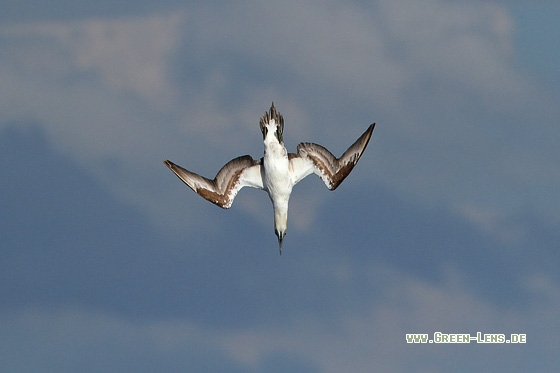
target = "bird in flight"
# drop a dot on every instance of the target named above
(276, 172)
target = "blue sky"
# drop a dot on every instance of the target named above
(448, 223)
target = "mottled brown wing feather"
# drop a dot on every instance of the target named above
(334, 170)
(222, 190)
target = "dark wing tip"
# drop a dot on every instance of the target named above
(370, 129)
(345, 167)
(363, 141)
(169, 164)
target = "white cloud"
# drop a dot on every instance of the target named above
(358, 340)
(495, 223)
(100, 88)
(91, 83)
(373, 339)
(439, 77)
(128, 55)
(456, 54)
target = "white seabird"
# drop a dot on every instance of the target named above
(277, 172)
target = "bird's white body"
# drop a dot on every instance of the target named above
(277, 172)
(277, 180)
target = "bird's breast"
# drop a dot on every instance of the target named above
(277, 174)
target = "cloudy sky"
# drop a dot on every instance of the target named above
(449, 223)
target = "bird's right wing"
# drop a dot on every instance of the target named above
(314, 158)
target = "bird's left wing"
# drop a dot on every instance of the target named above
(314, 158)
(234, 175)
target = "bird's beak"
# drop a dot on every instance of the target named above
(280, 238)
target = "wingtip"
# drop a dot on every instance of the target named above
(367, 135)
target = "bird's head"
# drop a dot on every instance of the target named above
(272, 124)
(280, 234)
(280, 224)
